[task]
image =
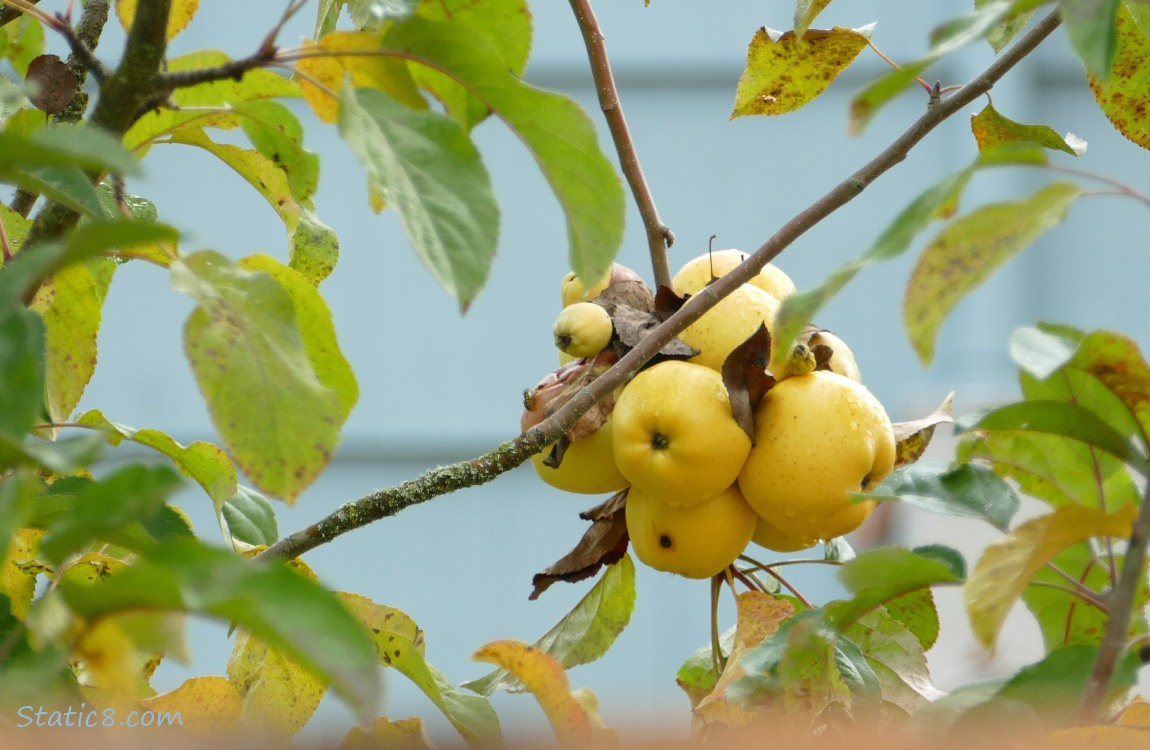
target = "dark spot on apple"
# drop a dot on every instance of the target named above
(659, 441)
(865, 483)
(665, 541)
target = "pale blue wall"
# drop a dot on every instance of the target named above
(436, 387)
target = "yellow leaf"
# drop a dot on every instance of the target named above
(18, 571)
(381, 734)
(759, 617)
(205, 705)
(785, 72)
(1137, 714)
(178, 19)
(1008, 565)
(325, 63)
(545, 678)
(111, 661)
(279, 694)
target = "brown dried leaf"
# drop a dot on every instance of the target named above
(823, 354)
(912, 438)
(632, 326)
(633, 294)
(746, 378)
(604, 543)
(54, 84)
(667, 303)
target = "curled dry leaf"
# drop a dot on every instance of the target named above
(54, 84)
(604, 543)
(560, 386)
(746, 378)
(912, 438)
(633, 313)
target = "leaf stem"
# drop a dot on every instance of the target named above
(484, 468)
(659, 235)
(786, 584)
(1084, 594)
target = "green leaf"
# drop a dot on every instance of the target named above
(1064, 618)
(1124, 95)
(278, 418)
(290, 612)
(947, 38)
(697, 674)
(918, 614)
(399, 643)
(968, 490)
(505, 24)
(327, 16)
(555, 130)
(71, 304)
(111, 509)
(896, 660)
(879, 576)
(785, 71)
(1008, 565)
(859, 675)
(82, 146)
(1090, 24)
(967, 251)
(1061, 418)
(25, 43)
(316, 328)
(62, 184)
(1116, 361)
(423, 164)
(991, 129)
(248, 517)
(277, 134)
(948, 556)
(204, 462)
(22, 345)
(314, 246)
(585, 633)
(1054, 686)
(805, 13)
(1003, 33)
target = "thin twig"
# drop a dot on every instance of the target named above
(13, 9)
(8, 13)
(1085, 595)
(659, 235)
(484, 468)
(717, 660)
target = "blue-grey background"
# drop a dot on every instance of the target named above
(437, 387)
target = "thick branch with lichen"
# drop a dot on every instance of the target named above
(659, 235)
(388, 502)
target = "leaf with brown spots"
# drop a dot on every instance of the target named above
(968, 250)
(604, 543)
(206, 706)
(399, 642)
(278, 413)
(54, 84)
(1125, 96)
(746, 378)
(784, 71)
(992, 129)
(912, 438)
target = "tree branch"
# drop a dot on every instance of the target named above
(388, 502)
(659, 235)
(1121, 603)
(121, 95)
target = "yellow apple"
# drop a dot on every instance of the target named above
(772, 537)
(697, 273)
(574, 290)
(728, 324)
(696, 541)
(843, 360)
(818, 438)
(582, 329)
(675, 435)
(801, 359)
(588, 465)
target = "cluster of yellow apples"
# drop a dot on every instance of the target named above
(700, 488)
